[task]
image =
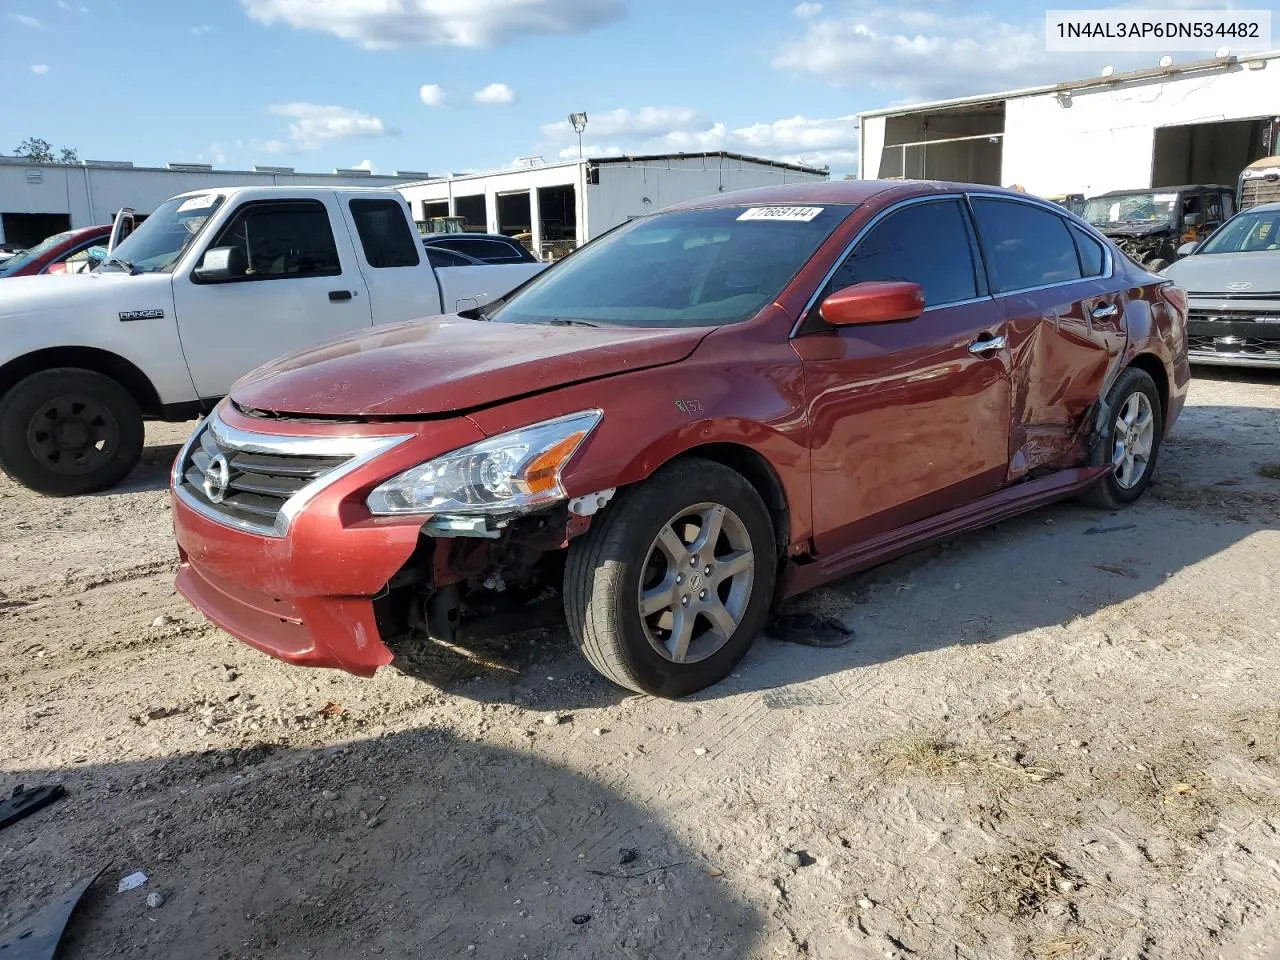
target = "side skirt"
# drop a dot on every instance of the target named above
(1006, 503)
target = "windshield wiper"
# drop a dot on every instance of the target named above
(557, 322)
(121, 262)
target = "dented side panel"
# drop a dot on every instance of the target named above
(1066, 344)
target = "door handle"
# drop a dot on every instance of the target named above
(1103, 311)
(987, 345)
(339, 296)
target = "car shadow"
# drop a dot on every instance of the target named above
(417, 844)
(150, 475)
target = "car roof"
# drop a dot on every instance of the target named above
(468, 234)
(1172, 189)
(840, 191)
(1273, 207)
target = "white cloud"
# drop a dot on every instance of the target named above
(807, 11)
(217, 153)
(365, 165)
(495, 93)
(432, 94)
(39, 68)
(313, 125)
(940, 50)
(25, 20)
(203, 28)
(63, 5)
(461, 23)
(811, 140)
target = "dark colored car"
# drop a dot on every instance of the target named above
(62, 253)
(1150, 225)
(1233, 288)
(442, 257)
(484, 247)
(701, 412)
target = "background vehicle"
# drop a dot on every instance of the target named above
(1150, 225)
(209, 286)
(734, 400)
(1259, 183)
(66, 252)
(1071, 201)
(485, 247)
(1233, 287)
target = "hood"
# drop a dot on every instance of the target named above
(450, 364)
(1227, 273)
(25, 296)
(1133, 229)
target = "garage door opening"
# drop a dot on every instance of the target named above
(1209, 152)
(472, 210)
(23, 230)
(558, 219)
(515, 217)
(962, 143)
(434, 208)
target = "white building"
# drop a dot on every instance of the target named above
(1200, 122)
(41, 199)
(566, 204)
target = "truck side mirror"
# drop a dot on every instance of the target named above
(219, 264)
(1187, 249)
(1192, 219)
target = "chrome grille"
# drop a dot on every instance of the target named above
(256, 482)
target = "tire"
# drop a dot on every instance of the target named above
(1133, 390)
(68, 431)
(620, 555)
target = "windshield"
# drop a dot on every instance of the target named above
(157, 243)
(683, 269)
(1246, 233)
(11, 266)
(1144, 207)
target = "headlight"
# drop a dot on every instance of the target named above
(512, 473)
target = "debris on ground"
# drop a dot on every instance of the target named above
(23, 802)
(131, 882)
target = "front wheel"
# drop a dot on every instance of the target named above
(1130, 443)
(68, 431)
(672, 584)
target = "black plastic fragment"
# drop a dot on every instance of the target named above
(37, 937)
(24, 802)
(809, 630)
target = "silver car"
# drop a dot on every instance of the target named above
(1232, 280)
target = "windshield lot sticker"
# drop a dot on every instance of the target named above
(788, 214)
(203, 202)
(141, 315)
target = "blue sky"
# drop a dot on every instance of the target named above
(442, 85)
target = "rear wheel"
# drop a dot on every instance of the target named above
(68, 431)
(1131, 441)
(672, 584)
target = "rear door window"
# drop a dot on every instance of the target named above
(385, 234)
(925, 243)
(490, 251)
(1092, 257)
(1025, 246)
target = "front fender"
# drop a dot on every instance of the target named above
(731, 391)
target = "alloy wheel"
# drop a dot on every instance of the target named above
(1133, 438)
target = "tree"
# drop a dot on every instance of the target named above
(36, 150)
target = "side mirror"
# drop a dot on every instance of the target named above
(880, 301)
(221, 263)
(1192, 219)
(1187, 249)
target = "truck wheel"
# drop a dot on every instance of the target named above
(672, 584)
(1130, 443)
(67, 431)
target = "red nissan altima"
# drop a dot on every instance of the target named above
(702, 412)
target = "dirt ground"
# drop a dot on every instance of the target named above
(1057, 738)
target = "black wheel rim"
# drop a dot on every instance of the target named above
(73, 435)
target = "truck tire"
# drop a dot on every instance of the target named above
(672, 584)
(1130, 442)
(67, 431)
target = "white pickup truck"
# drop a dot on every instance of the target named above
(208, 287)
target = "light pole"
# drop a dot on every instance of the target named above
(579, 123)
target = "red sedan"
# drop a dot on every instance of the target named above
(62, 253)
(704, 411)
